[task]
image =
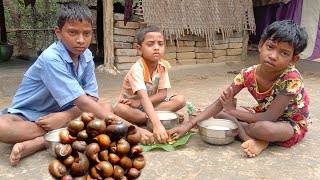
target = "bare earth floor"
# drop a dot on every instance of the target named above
(200, 84)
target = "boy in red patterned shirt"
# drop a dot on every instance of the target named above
(282, 114)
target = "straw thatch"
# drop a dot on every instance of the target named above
(203, 18)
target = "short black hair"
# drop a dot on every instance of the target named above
(141, 33)
(73, 11)
(287, 31)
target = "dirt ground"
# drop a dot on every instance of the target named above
(201, 85)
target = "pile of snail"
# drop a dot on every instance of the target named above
(91, 148)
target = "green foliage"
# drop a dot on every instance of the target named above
(35, 23)
(41, 18)
(169, 147)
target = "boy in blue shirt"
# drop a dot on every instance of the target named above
(56, 88)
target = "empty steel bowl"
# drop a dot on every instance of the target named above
(52, 139)
(168, 119)
(218, 131)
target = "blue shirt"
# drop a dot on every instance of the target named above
(51, 84)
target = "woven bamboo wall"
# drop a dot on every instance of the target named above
(185, 49)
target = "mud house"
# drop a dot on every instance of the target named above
(196, 32)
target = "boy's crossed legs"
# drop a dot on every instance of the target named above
(26, 136)
(138, 116)
(257, 136)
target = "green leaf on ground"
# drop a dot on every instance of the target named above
(169, 147)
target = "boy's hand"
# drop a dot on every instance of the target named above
(159, 132)
(227, 100)
(146, 136)
(124, 101)
(135, 103)
(179, 131)
(52, 121)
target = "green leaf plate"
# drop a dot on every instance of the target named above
(169, 147)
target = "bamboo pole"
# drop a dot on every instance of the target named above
(108, 65)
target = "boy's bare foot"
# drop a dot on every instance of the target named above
(253, 147)
(26, 148)
(16, 154)
(181, 117)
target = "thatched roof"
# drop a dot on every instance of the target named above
(203, 18)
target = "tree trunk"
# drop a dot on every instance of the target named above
(3, 30)
(108, 38)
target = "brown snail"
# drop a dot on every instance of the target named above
(67, 177)
(118, 172)
(84, 177)
(103, 140)
(133, 135)
(109, 178)
(105, 168)
(57, 169)
(82, 135)
(133, 173)
(96, 127)
(68, 161)
(116, 130)
(123, 147)
(104, 155)
(92, 151)
(139, 162)
(79, 146)
(63, 150)
(94, 173)
(113, 158)
(75, 126)
(87, 117)
(109, 119)
(65, 137)
(80, 165)
(136, 150)
(124, 178)
(113, 147)
(126, 162)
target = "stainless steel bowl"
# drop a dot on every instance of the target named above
(168, 119)
(218, 131)
(52, 139)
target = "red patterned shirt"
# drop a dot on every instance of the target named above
(288, 83)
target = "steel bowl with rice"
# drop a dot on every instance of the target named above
(218, 131)
(168, 119)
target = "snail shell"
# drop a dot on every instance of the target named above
(133, 135)
(57, 169)
(80, 165)
(75, 126)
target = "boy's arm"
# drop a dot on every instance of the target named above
(159, 96)
(87, 104)
(59, 119)
(276, 109)
(209, 112)
(159, 131)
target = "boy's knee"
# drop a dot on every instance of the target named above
(120, 108)
(107, 107)
(4, 124)
(261, 128)
(180, 100)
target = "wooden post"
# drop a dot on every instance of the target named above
(244, 54)
(108, 65)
